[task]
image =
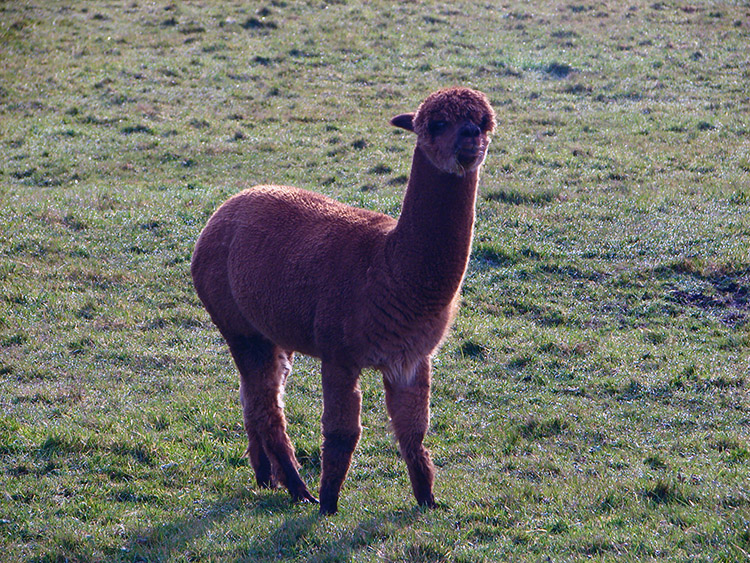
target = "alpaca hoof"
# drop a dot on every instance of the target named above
(328, 509)
(428, 503)
(266, 483)
(304, 497)
(268, 480)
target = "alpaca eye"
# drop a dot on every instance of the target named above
(437, 127)
(485, 125)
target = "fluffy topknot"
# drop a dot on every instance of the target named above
(454, 104)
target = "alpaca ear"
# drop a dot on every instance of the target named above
(404, 121)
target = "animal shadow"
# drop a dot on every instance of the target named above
(292, 536)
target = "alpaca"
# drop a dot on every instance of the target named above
(282, 270)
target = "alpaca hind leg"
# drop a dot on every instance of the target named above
(259, 460)
(264, 368)
(342, 402)
(408, 403)
(267, 473)
(251, 356)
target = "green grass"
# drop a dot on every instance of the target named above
(591, 402)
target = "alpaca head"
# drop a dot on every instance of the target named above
(453, 127)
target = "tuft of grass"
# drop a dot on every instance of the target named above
(518, 197)
(664, 491)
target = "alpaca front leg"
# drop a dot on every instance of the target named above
(408, 402)
(342, 401)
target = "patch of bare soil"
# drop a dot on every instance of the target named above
(728, 296)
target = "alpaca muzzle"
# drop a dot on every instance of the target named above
(469, 152)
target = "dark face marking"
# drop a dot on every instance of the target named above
(469, 130)
(436, 128)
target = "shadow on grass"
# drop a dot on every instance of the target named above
(293, 538)
(375, 530)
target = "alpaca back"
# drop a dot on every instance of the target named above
(295, 262)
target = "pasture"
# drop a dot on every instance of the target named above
(591, 401)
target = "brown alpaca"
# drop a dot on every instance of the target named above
(283, 270)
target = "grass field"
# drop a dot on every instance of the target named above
(591, 402)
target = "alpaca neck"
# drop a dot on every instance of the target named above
(429, 248)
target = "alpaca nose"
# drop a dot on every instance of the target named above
(470, 130)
